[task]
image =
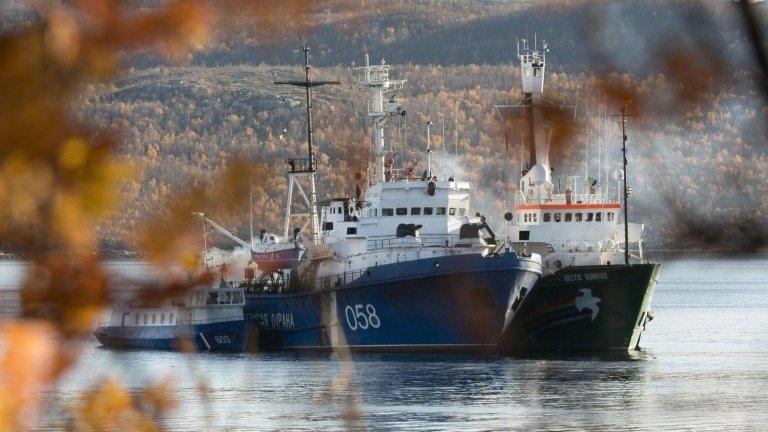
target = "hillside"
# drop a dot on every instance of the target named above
(182, 125)
(697, 146)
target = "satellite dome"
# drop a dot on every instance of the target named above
(539, 174)
(617, 174)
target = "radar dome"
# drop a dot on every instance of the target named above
(617, 174)
(539, 174)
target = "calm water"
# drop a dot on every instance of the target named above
(705, 367)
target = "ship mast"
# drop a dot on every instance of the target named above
(536, 175)
(380, 110)
(429, 148)
(623, 116)
(532, 70)
(298, 167)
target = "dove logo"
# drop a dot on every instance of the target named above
(587, 302)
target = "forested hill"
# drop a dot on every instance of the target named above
(697, 158)
(423, 32)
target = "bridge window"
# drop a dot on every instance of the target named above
(351, 230)
(328, 226)
(610, 216)
(170, 318)
(598, 216)
(525, 217)
(589, 217)
(237, 296)
(387, 212)
(154, 318)
(145, 319)
(428, 211)
(401, 211)
(213, 298)
(415, 211)
(136, 319)
(440, 211)
(578, 217)
(568, 217)
(547, 217)
(452, 211)
(338, 210)
(558, 217)
(162, 318)
(535, 217)
(462, 211)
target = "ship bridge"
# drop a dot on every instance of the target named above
(439, 206)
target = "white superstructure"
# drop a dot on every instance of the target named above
(218, 303)
(571, 221)
(404, 216)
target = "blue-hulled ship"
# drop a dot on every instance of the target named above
(407, 268)
(210, 318)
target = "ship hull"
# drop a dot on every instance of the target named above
(451, 304)
(228, 336)
(270, 261)
(587, 308)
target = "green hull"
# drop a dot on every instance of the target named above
(589, 308)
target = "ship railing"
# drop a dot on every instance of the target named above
(338, 279)
(422, 241)
(179, 321)
(211, 320)
(596, 198)
(265, 285)
(298, 164)
(576, 246)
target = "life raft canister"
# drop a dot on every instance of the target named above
(431, 188)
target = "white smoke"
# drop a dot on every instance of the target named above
(234, 262)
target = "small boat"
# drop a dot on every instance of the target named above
(210, 318)
(271, 256)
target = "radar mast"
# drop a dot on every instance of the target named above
(304, 167)
(380, 110)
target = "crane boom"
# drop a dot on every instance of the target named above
(224, 231)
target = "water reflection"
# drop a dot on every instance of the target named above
(706, 368)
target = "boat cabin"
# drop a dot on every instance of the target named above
(219, 303)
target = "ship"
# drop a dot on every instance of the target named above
(596, 288)
(207, 319)
(407, 268)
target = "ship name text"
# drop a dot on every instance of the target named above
(581, 277)
(274, 320)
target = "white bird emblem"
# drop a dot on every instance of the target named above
(587, 301)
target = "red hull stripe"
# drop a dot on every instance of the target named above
(568, 206)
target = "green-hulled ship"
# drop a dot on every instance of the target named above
(596, 290)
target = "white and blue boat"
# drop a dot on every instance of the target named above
(211, 318)
(409, 267)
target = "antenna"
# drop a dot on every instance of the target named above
(250, 198)
(429, 147)
(623, 119)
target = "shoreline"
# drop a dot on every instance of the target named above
(650, 254)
